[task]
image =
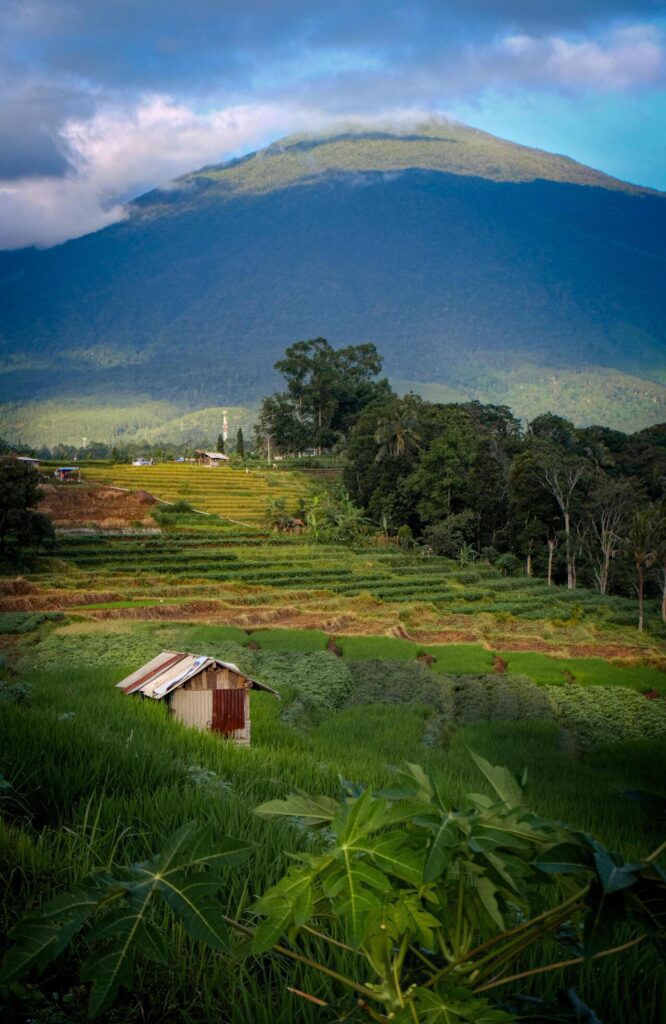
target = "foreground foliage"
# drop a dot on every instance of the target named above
(436, 906)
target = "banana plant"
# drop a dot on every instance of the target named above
(435, 905)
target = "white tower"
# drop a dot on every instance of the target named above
(225, 425)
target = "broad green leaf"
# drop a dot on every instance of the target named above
(108, 970)
(315, 812)
(487, 894)
(350, 888)
(423, 782)
(274, 925)
(393, 853)
(501, 780)
(42, 936)
(507, 837)
(201, 919)
(152, 942)
(449, 1006)
(440, 852)
(360, 818)
(612, 876)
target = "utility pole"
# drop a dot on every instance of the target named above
(268, 448)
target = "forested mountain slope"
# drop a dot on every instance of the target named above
(493, 270)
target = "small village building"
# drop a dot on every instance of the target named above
(142, 462)
(68, 474)
(201, 691)
(211, 458)
(35, 463)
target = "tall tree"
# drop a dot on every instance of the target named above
(644, 539)
(609, 505)
(326, 390)
(562, 476)
(220, 444)
(20, 522)
(240, 444)
(534, 517)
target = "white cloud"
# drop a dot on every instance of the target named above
(628, 58)
(123, 151)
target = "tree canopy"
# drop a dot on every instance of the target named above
(326, 390)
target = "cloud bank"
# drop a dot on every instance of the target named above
(103, 100)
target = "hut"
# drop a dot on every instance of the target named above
(68, 474)
(211, 458)
(201, 691)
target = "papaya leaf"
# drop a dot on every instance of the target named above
(486, 892)
(108, 969)
(394, 854)
(501, 780)
(440, 852)
(314, 812)
(449, 1005)
(612, 876)
(273, 926)
(350, 886)
(41, 937)
(202, 919)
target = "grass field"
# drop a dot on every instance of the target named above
(144, 774)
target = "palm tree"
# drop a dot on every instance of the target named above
(396, 435)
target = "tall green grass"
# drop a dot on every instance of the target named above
(102, 778)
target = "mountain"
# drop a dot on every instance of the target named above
(479, 268)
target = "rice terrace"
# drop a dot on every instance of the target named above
(332, 513)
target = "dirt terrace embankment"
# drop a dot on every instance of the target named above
(80, 505)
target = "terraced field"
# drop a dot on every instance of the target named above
(254, 559)
(231, 493)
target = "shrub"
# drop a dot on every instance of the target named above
(25, 622)
(604, 714)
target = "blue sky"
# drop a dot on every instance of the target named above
(103, 99)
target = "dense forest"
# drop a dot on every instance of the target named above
(581, 505)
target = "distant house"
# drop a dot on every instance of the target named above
(211, 458)
(142, 462)
(201, 691)
(68, 474)
(24, 458)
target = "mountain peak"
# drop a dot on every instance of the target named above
(433, 144)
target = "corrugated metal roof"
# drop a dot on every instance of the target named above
(170, 669)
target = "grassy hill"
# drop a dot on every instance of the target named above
(487, 268)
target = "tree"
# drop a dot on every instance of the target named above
(644, 540)
(562, 475)
(609, 505)
(240, 444)
(326, 391)
(397, 433)
(20, 523)
(220, 444)
(533, 512)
